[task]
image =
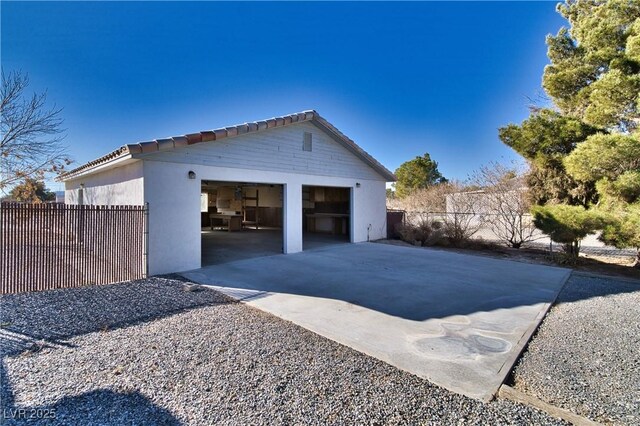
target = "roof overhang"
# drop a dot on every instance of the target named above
(115, 158)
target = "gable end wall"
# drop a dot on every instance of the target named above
(278, 150)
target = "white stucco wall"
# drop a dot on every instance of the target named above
(174, 209)
(273, 156)
(114, 186)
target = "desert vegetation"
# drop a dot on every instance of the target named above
(453, 213)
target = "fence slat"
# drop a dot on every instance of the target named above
(48, 246)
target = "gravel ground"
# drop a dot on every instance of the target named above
(148, 352)
(585, 355)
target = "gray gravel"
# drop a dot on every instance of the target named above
(148, 352)
(585, 356)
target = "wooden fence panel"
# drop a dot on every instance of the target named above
(47, 246)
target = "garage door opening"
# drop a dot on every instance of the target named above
(326, 216)
(240, 220)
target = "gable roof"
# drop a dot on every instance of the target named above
(136, 150)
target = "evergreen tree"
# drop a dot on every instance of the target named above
(419, 173)
(545, 139)
(594, 73)
(614, 162)
(585, 153)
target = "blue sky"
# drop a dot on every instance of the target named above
(401, 79)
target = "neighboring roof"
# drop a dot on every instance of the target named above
(133, 150)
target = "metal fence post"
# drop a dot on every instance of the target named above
(146, 240)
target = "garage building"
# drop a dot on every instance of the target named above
(273, 186)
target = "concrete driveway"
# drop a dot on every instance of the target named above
(457, 320)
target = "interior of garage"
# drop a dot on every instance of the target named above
(326, 216)
(243, 220)
(240, 220)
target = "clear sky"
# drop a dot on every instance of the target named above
(400, 79)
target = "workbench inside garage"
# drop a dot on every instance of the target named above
(334, 223)
(233, 222)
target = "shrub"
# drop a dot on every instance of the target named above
(414, 233)
(434, 233)
(567, 224)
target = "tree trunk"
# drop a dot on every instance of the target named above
(572, 248)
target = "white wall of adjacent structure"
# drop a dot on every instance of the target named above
(121, 185)
(272, 156)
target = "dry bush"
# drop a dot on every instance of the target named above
(506, 203)
(464, 214)
(438, 216)
(424, 234)
(410, 233)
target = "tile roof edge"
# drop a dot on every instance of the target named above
(116, 154)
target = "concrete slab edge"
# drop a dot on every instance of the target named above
(506, 368)
(507, 392)
(248, 298)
